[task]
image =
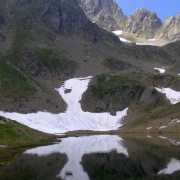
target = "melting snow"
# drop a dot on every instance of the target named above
(124, 40)
(149, 128)
(151, 39)
(162, 137)
(171, 123)
(162, 127)
(173, 165)
(148, 136)
(161, 70)
(74, 118)
(118, 32)
(76, 147)
(146, 44)
(174, 142)
(173, 96)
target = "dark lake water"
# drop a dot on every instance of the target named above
(98, 157)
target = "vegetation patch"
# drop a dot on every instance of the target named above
(131, 38)
(14, 137)
(108, 84)
(116, 64)
(53, 60)
(12, 81)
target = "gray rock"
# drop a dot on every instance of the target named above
(149, 97)
(143, 23)
(66, 17)
(170, 29)
(106, 13)
(116, 99)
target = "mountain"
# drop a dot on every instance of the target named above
(170, 29)
(139, 26)
(143, 23)
(106, 13)
(31, 49)
(47, 43)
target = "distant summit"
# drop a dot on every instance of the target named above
(106, 13)
(142, 23)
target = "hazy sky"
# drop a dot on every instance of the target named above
(163, 8)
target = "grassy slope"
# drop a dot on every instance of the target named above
(15, 137)
(155, 118)
(13, 82)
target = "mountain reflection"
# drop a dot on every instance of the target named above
(95, 157)
(76, 147)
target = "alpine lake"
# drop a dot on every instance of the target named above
(96, 157)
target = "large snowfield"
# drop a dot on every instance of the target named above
(74, 118)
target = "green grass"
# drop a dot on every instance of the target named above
(16, 137)
(108, 84)
(12, 81)
(53, 60)
(131, 38)
(165, 110)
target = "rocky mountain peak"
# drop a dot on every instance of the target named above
(170, 29)
(106, 13)
(143, 23)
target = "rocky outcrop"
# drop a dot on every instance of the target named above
(143, 23)
(115, 93)
(149, 97)
(30, 63)
(106, 13)
(112, 101)
(170, 29)
(117, 64)
(67, 17)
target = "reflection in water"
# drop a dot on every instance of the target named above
(173, 166)
(76, 147)
(95, 157)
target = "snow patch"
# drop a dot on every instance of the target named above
(74, 118)
(145, 44)
(173, 96)
(174, 142)
(171, 123)
(124, 40)
(162, 127)
(161, 70)
(148, 136)
(118, 32)
(162, 137)
(151, 39)
(148, 128)
(173, 166)
(76, 147)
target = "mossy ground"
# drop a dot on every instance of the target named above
(106, 83)
(13, 82)
(15, 137)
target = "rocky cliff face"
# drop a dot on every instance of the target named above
(105, 13)
(68, 18)
(115, 93)
(143, 23)
(170, 29)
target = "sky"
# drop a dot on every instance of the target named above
(163, 8)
